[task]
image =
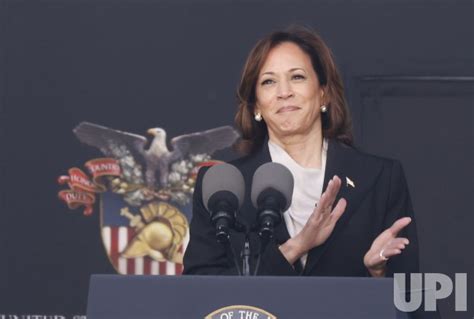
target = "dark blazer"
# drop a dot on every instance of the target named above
(379, 197)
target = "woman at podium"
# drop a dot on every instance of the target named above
(350, 214)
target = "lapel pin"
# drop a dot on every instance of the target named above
(349, 182)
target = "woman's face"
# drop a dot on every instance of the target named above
(288, 93)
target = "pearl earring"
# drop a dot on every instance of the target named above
(258, 117)
(324, 109)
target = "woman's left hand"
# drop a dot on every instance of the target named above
(386, 245)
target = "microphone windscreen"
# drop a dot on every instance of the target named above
(223, 177)
(272, 175)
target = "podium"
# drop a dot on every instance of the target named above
(200, 297)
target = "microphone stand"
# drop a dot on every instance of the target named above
(223, 237)
(245, 253)
(229, 247)
(246, 256)
(264, 240)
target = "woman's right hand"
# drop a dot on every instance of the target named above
(319, 226)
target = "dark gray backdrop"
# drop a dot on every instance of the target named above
(408, 68)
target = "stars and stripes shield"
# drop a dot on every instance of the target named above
(116, 240)
(145, 240)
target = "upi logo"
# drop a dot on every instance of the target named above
(434, 286)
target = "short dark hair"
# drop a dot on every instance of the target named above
(336, 122)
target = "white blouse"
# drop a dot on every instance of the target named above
(307, 190)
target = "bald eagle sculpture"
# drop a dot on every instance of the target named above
(131, 149)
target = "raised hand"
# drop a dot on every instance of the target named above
(320, 224)
(386, 245)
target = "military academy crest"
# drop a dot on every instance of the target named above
(145, 192)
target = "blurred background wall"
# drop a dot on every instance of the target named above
(132, 65)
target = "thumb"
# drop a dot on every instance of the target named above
(399, 225)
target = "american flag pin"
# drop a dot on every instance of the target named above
(349, 182)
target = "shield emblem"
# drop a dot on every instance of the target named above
(145, 193)
(148, 240)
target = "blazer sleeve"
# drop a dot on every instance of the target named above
(275, 264)
(399, 205)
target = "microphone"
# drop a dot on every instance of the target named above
(272, 189)
(223, 190)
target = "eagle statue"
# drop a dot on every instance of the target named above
(151, 166)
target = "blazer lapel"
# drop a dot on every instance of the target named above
(356, 176)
